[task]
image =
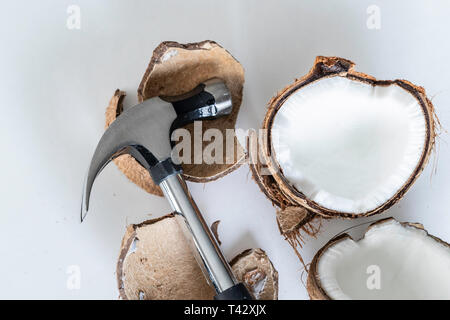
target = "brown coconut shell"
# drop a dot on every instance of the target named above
(175, 69)
(257, 272)
(294, 222)
(277, 186)
(215, 232)
(314, 286)
(156, 263)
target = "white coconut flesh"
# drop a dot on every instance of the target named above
(347, 145)
(392, 261)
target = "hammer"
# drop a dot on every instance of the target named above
(143, 131)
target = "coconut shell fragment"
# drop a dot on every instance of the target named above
(296, 223)
(156, 263)
(257, 272)
(214, 230)
(173, 70)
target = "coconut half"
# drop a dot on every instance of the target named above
(175, 69)
(156, 263)
(341, 143)
(392, 261)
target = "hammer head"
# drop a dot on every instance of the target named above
(144, 131)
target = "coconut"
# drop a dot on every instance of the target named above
(392, 261)
(342, 144)
(175, 69)
(156, 263)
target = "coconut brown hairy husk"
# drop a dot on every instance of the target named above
(173, 70)
(156, 263)
(280, 190)
(316, 288)
(295, 222)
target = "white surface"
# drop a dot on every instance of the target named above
(55, 84)
(347, 145)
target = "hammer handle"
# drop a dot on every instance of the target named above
(236, 292)
(205, 248)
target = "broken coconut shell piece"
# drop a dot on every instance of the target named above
(156, 263)
(256, 271)
(342, 144)
(296, 223)
(175, 69)
(393, 260)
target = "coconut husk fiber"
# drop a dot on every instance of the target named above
(295, 222)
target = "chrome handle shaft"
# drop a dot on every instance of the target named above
(205, 248)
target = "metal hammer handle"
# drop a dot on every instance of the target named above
(206, 249)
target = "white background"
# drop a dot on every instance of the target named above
(55, 84)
